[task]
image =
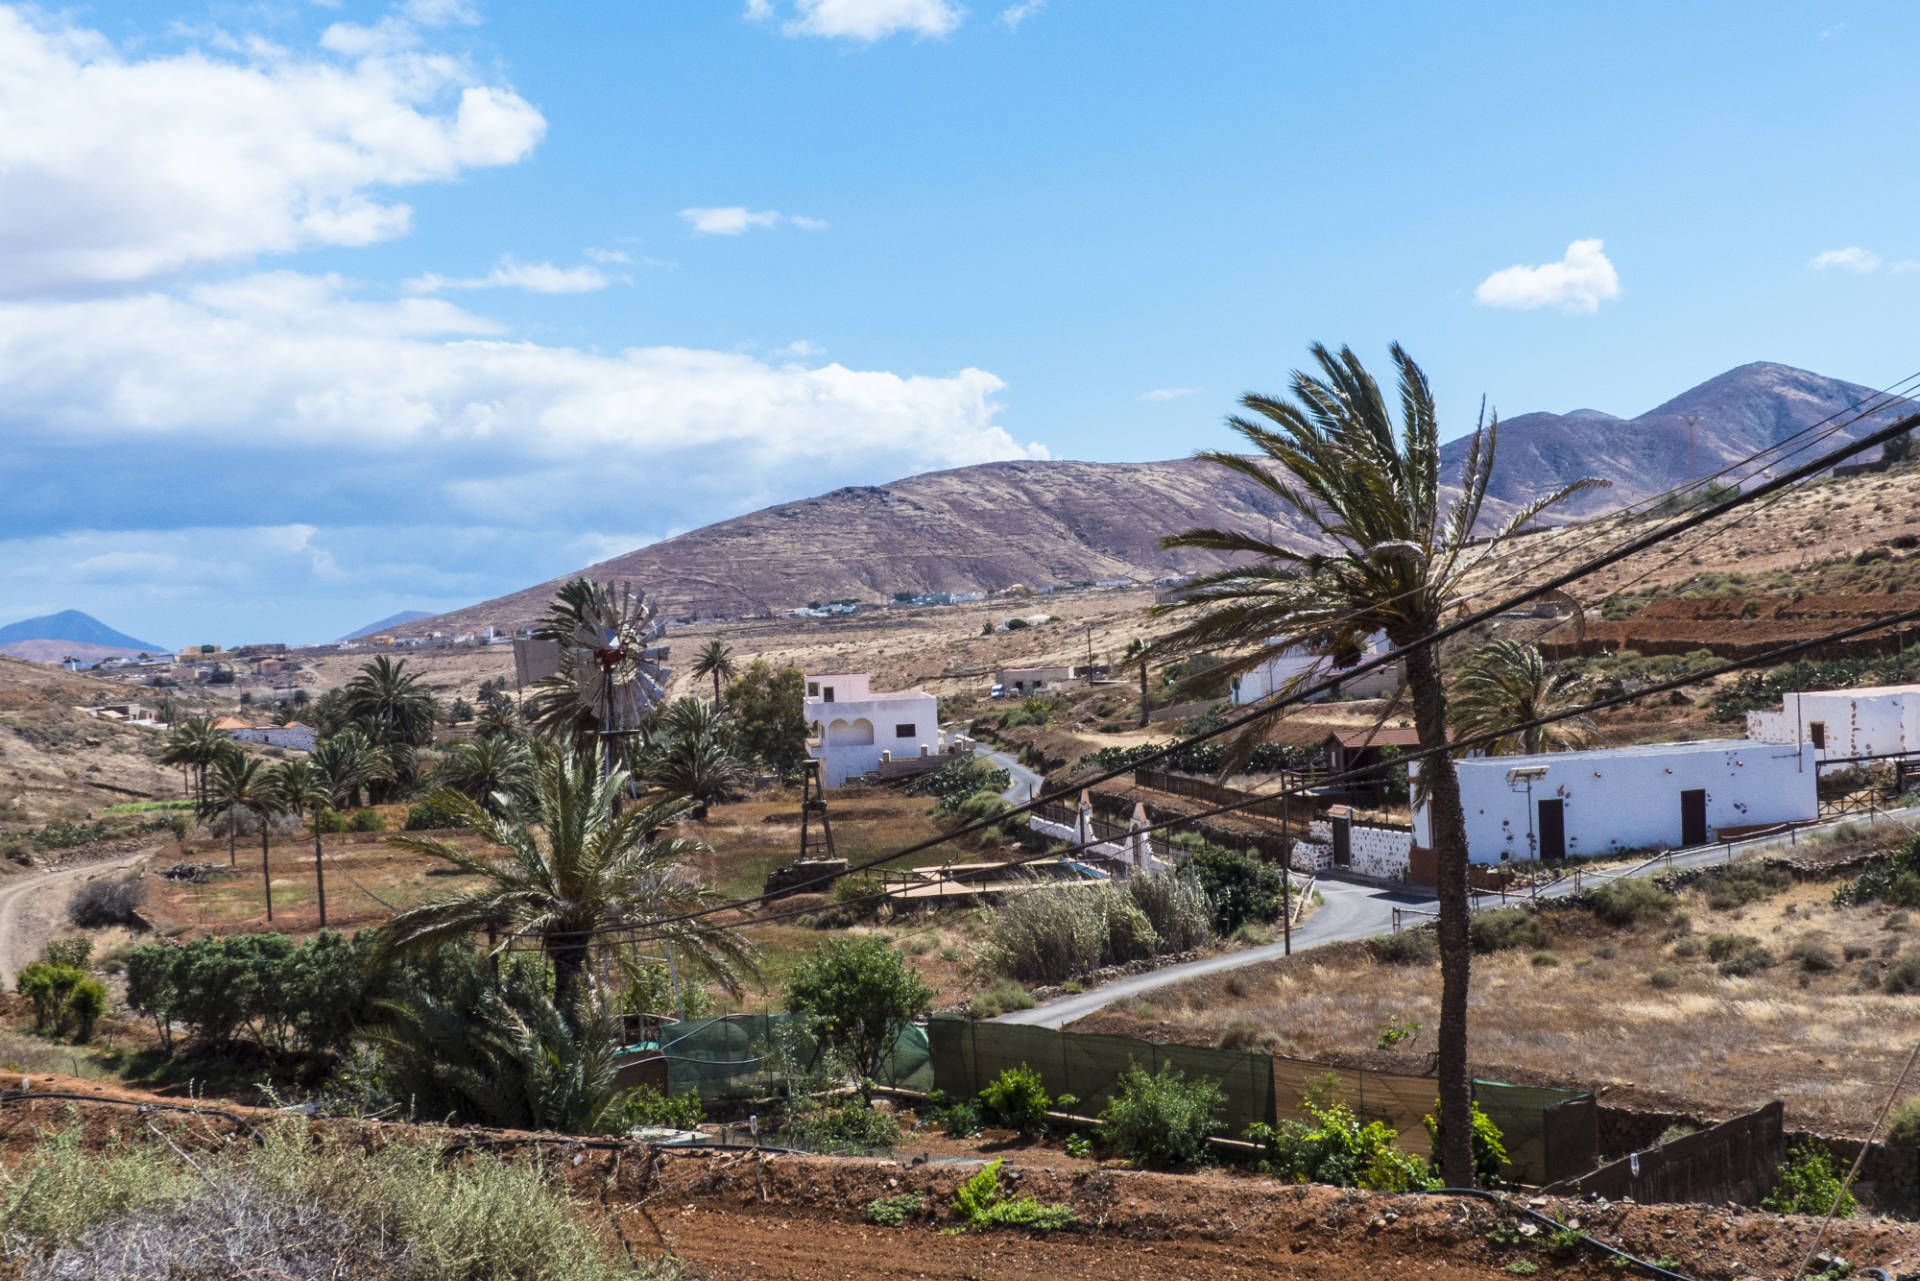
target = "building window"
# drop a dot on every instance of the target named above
(813, 689)
(1817, 733)
(827, 693)
(903, 731)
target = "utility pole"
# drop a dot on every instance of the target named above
(1089, 651)
(1286, 862)
(1692, 471)
(1143, 689)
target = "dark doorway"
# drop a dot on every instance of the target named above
(1553, 829)
(1693, 817)
(1342, 840)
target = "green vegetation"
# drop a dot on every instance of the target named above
(1489, 1148)
(1727, 888)
(1164, 1119)
(1408, 947)
(894, 1211)
(1017, 1099)
(1505, 928)
(958, 779)
(1629, 901)
(1206, 758)
(1056, 932)
(1241, 888)
(856, 995)
(1808, 1184)
(1761, 691)
(1507, 683)
(1894, 881)
(1335, 1148)
(982, 1203)
(767, 706)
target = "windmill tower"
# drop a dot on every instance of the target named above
(611, 653)
(815, 841)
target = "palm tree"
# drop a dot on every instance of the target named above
(195, 744)
(495, 772)
(572, 876)
(242, 782)
(688, 751)
(301, 787)
(350, 762)
(715, 660)
(1393, 554)
(390, 704)
(498, 719)
(1506, 684)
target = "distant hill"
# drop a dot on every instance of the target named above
(58, 652)
(72, 625)
(1050, 523)
(387, 624)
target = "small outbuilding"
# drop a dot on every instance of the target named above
(1838, 724)
(1574, 804)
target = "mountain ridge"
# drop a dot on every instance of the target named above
(1056, 522)
(81, 628)
(388, 623)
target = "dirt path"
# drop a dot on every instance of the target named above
(31, 907)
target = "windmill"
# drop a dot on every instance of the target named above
(612, 669)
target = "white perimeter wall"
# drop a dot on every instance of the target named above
(1630, 800)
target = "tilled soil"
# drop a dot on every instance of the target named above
(743, 1214)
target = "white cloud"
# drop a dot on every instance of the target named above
(121, 169)
(869, 20)
(442, 13)
(1579, 282)
(534, 277)
(734, 220)
(609, 255)
(1015, 14)
(759, 10)
(801, 348)
(1853, 258)
(1168, 393)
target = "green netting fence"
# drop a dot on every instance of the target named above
(1549, 1133)
(743, 1056)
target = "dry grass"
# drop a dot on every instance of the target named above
(1824, 1041)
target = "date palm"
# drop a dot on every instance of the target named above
(495, 772)
(688, 751)
(242, 784)
(300, 787)
(389, 703)
(196, 745)
(349, 762)
(1506, 684)
(1393, 554)
(715, 660)
(568, 874)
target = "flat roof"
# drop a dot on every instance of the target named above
(1871, 690)
(1639, 750)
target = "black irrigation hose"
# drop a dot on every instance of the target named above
(624, 1145)
(14, 1096)
(1504, 1203)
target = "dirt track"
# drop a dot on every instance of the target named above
(31, 907)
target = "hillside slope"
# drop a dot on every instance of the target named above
(1049, 523)
(72, 625)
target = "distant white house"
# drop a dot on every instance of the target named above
(295, 735)
(1881, 720)
(1273, 676)
(1621, 798)
(852, 729)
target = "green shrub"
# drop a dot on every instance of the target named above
(1903, 1126)
(1729, 887)
(1687, 948)
(1053, 933)
(856, 996)
(1164, 1119)
(1721, 947)
(76, 953)
(1878, 882)
(1664, 979)
(982, 1203)
(1018, 1099)
(1004, 995)
(1808, 1184)
(1738, 955)
(893, 1211)
(1630, 900)
(332, 822)
(86, 1005)
(1335, 1148)
(1903, 976)
(1176, 907)
(1245, 1032)
(428, 815)
(367, 821)
(958, 1119)
(853, 1126)
(958, 779)
(645, 1106)
(1489, 1146)
(1814, 955)
(1241, 888)
(49, 988)
(1408, 947)
(1503, 929)
(1545, 960)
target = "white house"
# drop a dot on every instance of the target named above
(1272, 676)
(852, 729)
(1882, 720)
(1622, 798)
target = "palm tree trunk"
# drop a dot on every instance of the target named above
(1448, 832)
(233, 834)
(567, 950)
(266, 870)
(716, 687)
(319, 876)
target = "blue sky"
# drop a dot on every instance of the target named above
(310, 313)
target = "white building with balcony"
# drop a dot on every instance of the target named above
(852, 730)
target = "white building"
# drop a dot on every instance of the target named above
(1623, 798)
(1882, 720)
(852, 729)
(1272, 677)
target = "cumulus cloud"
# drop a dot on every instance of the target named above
(1014, 14)
(1853, 258)
(1578, 283)
(123, 168)
(534, 277)
(865, 20)
(1168, 393)
(801, 349)
(609, 255)
(735, 220)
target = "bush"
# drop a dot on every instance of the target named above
(1884, 881)
(1164, 1119)
(1244, 1032)
(427, 816)
(1337, 1149)
(959, 779)
(107, 900)
(48, 988)
(367, 821)
(1176, 907)
(982, 1203)
(1489, 1146)
(1018, 1099)
(853, 1126)
(86, 1006)
(1729, 887)
(893, 1211)
(1408, 947)
(857, 995)
(1746, 963)
(74, 952)
(1721, 947)
(1506, 928)
(1808, 1185)
(1903, 1126)
(1902, 977)
(1664, 979)
(1814, 955)
(332, 822)
(1051, 934)
(998, 999)
(1241, 888)
(311, 996)
(1628, 901)
(1545, 960)
(646, 1106)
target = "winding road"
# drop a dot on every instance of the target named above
(32, 907)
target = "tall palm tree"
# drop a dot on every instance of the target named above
(499, 719)
(241, 783)
(350, 762)
(195, 744)
(300, 787)
(497, 773)
(390, 704)
(570, 876)
(715, 660)
(688, 751)
(1506, 684)
(1393, 555)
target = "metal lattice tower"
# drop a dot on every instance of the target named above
(816, 830)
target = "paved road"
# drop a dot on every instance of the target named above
(1350, 911)
(32, 907)
(1025, 785)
